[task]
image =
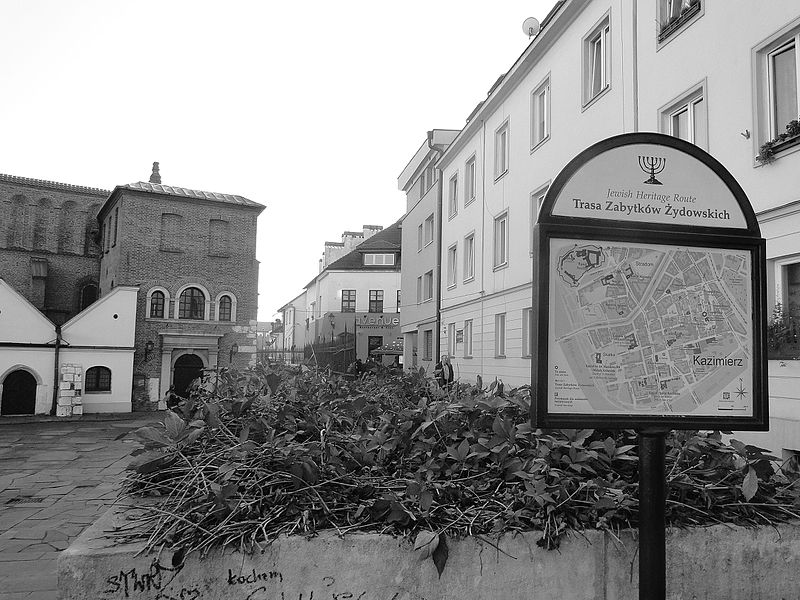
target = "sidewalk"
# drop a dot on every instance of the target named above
(56, 478)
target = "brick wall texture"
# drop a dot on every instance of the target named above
(55, 223)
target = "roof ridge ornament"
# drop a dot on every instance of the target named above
(155, 176)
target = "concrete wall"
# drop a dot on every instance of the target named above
(702, 564)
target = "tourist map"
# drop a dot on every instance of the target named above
(647, 329)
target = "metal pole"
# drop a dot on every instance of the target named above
(652, 485)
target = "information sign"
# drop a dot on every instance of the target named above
(649, 292)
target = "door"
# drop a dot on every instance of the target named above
(19, 394)
(187, 368)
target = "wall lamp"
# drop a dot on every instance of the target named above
(234, 351)
(148, 348)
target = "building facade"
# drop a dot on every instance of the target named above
(49, 248)
(421, 239)
(599, 68)
(186, 258)
(356, 295)
(192, 254)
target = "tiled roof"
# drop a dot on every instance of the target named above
(171, 190)
(54, 185)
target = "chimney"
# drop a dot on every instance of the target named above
(155, 176)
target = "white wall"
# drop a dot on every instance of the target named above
(109, 322)
(120, 362)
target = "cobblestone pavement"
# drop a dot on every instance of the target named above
(56, 478)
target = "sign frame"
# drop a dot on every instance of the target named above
(748, 239)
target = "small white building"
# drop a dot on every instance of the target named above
(84, 366)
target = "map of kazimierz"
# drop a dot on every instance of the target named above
(649, 329)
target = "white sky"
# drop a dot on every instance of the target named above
(312, 108)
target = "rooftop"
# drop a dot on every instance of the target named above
(53, 185)
(171, 190)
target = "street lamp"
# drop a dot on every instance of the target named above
(332, 320)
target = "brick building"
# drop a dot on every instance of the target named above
(190, 254)
(49, 249)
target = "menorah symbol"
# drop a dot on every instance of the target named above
(652, 165)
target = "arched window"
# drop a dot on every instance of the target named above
(88, 295)
(224, 308)
(98, 379)
(157, 305)
(16, 231)
(192, 304)
(66, 228)
(41, 225)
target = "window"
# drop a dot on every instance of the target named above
(471, 181)
(97, 379)
(686, 117)
(778, 86)
(501, 151)
(527, 331)
(540, 113)
(419, 237)
(468, 338)
(171, 229)
(451, 266)
(427, 286)
(419, 289)
(537, 199)
(501, 240)
(88, 295)
(376, 301)
(218, 237)
(312, 312)
(348, 301)
(451, 339)
(427, 344)
(192, 304)
(224, 308)
(469, 257)
(674, 14)
(379, 260)
(373, 343)
(500, 335)
(157, 305)
(398, 300)
(783, 79)
(429, 230)
(452, 204)
(116, 225)
(596, 61)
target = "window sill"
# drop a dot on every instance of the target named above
(500, 176)
(428, 243)
(452, 286)
(469, 279)
(781, 149)
(92, 392)
(591, 101)
(500, 356)
(540, 143)
(468, 202)
(171, 250)
(467, 357)
(500, 267)
(452, 216)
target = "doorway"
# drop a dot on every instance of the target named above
(187, 368)
(19, 394)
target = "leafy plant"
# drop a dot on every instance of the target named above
(294, 451)
(766, 152)
(782, 339)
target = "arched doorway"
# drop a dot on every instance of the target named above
(187, 368)
(19, 394)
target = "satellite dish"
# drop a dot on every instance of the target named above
(531, 26)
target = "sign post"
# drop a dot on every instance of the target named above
(650, 295)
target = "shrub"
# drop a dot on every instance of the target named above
(294, 451)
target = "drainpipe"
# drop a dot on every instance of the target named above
(56, 370)
(438, 245)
